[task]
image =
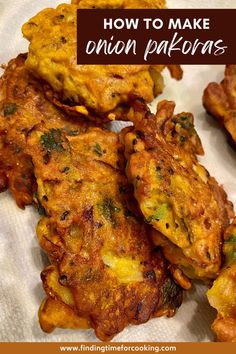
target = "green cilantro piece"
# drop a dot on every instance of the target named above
(232, 239)
(52, 141)
(108, 210)
(97, 149)
(160, 213)
(10, 109)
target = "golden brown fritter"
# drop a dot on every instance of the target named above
(222, 296)
(220, 101)
(104, 273)
(93, 234)
(22, 106)
(90, 90)
(175, 193)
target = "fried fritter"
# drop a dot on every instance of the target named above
(94, 235)
(175, 193)
(222, 296)
(220, 101)
(90, 90)
(105, 273)
(22, 106)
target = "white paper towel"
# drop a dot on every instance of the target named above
(21, 259)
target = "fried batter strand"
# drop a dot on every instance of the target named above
(93, 234)
(99, 92)
(22, 107)
(175, 193)
(220, 101)
(222, 296)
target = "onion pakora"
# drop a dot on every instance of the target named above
(89, 90)
(222, 295)
(105, 273)
(175, 193)
(220, 101)
(22, 106)
(94, 235)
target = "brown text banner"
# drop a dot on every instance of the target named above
(179, 348)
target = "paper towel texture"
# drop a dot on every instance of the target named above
(21, 259)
